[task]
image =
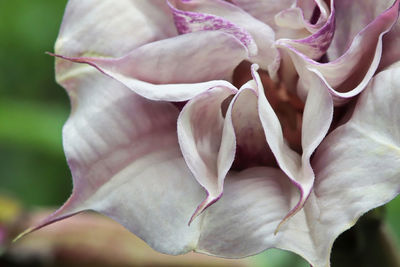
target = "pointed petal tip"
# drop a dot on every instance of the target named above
(23, 234)
(55, 217)
(50, 54)
(47, 221)
(300, 204)
(203, 206)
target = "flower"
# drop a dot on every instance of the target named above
(248, 110)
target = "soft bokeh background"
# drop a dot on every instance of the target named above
(33, 108)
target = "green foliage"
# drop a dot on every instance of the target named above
(33, 107)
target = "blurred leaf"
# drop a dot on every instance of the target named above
(29, 123)
(32, 124)
(28, 29)
(393, 217)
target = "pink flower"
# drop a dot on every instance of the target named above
(171, 123)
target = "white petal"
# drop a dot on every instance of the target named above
(351, 18)
(126, 163)
(349, 74)
(241, 24)
(265, 10)
(314, 128)
(301, 15)
(357, 166)
(251, 146)
(243, 221)
(200, 132)
(174, 69)
(391, 42)
(315, 45)
(105, 28)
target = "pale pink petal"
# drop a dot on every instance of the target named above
(251, 146)
(308, 28)
(391, 44)
(303, 16)
(316, 121)
(348, 75)
(302, 236)
(243, 221)
(189, 21)
(356, 167)
(315, 13)
(126, 163)
(242, 138)
(200, 133)
(265, 10)
(356, 170)
(315, 45)
(165, 70)
(211, 140)
(112, 28)
(220, 15)
(362, 156)
(317, 116)
(351, 18)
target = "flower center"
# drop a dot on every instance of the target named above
(287, 106)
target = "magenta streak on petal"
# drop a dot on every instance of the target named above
(200, 128)
(318, 43)
(297, 168)
(187, 22)
(286, 168)
(297, 208)
(317, 17)
(344, 66)
(203, 206)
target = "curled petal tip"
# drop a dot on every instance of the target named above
(255, 67)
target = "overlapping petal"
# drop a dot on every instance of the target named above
(302, 18)
(189, 21)
(212, 137)
(146, 165)
(361, 158)
(356, 170)
(243, 221)
(317, 118)
(223, 16)
(359, 162)
(349, 74)
(112, 28)
(201, 127)
(315, 45)
(390, 51)
(352, 18)
(251, 146)
(174, 69)
(126, 163)
(265, 10)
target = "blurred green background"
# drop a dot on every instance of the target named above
(33, 109)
